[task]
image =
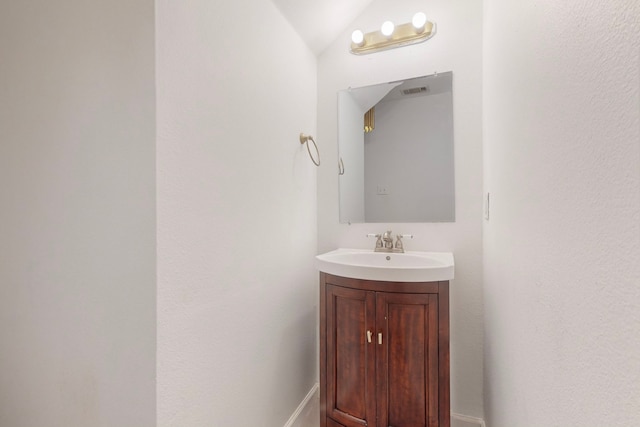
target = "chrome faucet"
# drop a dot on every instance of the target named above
(384, 242)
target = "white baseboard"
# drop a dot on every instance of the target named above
(458, 420)
(305, 413)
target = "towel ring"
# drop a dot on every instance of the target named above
(304, 139)
(340, 167)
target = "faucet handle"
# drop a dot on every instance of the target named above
(399, 244)
(378, 237)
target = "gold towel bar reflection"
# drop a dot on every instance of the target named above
(304, 139)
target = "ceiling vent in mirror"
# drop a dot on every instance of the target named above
(416, 90)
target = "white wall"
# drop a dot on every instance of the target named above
(77, 223)
(457, 47)
(237, 287)
(562, 247)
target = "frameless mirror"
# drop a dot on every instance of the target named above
(396, 151)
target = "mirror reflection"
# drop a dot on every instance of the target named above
(396, 144)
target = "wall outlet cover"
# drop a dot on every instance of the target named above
(382, 190)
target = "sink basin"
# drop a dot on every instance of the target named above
(411, 266)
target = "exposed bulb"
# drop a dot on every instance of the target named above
(357, 37)
(387, 28)
(419, 21)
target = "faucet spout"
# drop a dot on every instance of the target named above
(387, 239)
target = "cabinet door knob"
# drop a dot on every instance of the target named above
(369, 335)
(380, 338)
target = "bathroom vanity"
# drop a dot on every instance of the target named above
(384, 348)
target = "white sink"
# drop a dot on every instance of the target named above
(411, 266)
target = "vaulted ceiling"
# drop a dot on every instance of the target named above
(319, 22)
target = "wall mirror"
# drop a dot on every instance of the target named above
(396, 151)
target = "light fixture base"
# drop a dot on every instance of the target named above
(403, 35)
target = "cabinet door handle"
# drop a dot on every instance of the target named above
(380, 338)
(369, 335)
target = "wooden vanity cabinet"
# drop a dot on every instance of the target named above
(384, 353)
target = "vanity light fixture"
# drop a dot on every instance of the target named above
(391, 36)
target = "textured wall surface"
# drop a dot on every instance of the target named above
(562, 247)
(457, 47)
(237, 288)
(77, 216)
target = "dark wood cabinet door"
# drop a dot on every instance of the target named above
(350, 370)
(407, 360)
(331, 423)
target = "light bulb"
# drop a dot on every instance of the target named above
(387, 28)
(419, 20)
(357, 37)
